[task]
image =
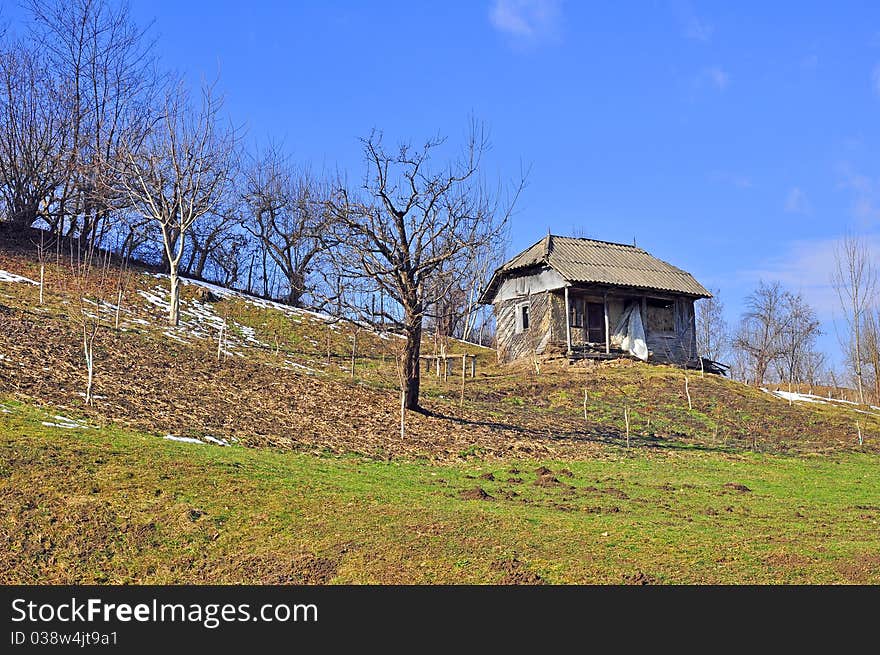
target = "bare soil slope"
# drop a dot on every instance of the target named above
(283, 379)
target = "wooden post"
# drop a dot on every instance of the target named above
(567, 323)
(607, 328)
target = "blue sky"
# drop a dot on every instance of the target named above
(735, 140)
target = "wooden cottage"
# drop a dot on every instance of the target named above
(588, 298)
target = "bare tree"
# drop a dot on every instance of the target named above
(208, 238)
(287, 214)
(758, 337)
(34, 136)
(713, 337)
(107, 65)
(180, 174)
(407, 223)
(797, 335)
(871, 349)
(456, 311)
(855, 280)
(815, 369)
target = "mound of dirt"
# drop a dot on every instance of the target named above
(477, 493)
(541, 470)
(516, 572)
(736, 486)
(546, 481)
(639, 578)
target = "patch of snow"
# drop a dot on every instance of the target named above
(223, 292)
(67, 424)
(294, 366)
(812, 398)
(168, 333)
(171, 437)
(95, 396)
(785, 395)
(155, 300)
(219, 442)
(6, 276)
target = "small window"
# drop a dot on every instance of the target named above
(576, 314)
(522, 318)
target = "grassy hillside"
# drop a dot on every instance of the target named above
(522, 475)
(107, 505)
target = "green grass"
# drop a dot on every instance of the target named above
(108, 505)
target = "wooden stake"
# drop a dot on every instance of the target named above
(402, 414)
(328, 345)
(220, 340)
(626, 418)
(585, 406)
(42, 273)
(118, 306)
(687, 391)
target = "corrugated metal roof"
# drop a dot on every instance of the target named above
(588, 261)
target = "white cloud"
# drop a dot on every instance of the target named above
(806, 266)
(717, 77)
(526, 20)
(796, 202)
(866, 194)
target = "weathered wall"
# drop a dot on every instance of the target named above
(548, 320)
(679, 347)
(534, 340)
(532, 283)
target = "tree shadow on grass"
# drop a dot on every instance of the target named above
(595, 434)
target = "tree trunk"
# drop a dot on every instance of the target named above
(859, 360)
(174, 301)
(411, 373)
(296, 282)
(199, 271)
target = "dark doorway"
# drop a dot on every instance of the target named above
(595, 322)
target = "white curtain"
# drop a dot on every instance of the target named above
(630, 333)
